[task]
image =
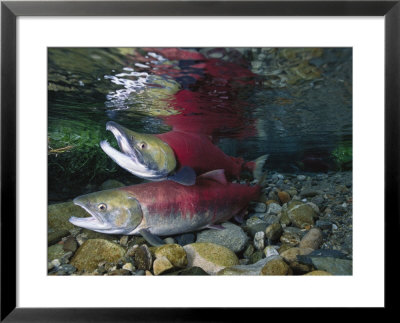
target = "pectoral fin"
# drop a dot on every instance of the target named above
(154, 240)
(185, 176)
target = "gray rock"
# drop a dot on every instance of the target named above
(301, 177)
(270, 219)
(259, 207)
(270, 251)
(245, 270)
(335, 266)
(184, 239)
(274, 208)
(254, 225)
(309, 192)
(324, 225)
(232, 237)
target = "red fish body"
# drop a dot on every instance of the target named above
(198, 151)
(170, 208)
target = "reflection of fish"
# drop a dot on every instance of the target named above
(165, 208)
(156, 157)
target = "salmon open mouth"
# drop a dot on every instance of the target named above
(93, 222)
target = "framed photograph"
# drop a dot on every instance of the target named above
(179, 155)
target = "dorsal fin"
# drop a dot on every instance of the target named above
(217, 175)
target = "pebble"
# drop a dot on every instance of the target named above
(318, 273)
(259, 240)
(185, 239)
(270, 251)
(274, 208)
(254, 225)
(94, 251)
(169, 240)
(128, 266)
(301, 177)
(274, 231)
(259, 207)
(249, 251)
(290, 238)
(256, 256)
(124, 241)
(324, 225)
(312, 239)
(209, 256)
(301, 214)
(231, 237)
(175, 254)
(143, 258)
(335, 266)
(277, 267)
(284, 197)
(70, 244)
(245, 270)
(161, 265)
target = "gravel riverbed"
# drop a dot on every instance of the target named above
(302, 225)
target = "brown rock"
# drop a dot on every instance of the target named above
(318, 273)
(312, 239)
(161, 264)
(275, 267)
(284, 197)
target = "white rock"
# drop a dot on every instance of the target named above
(259, 240)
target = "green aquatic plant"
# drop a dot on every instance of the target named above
(74, 155)
(343, 157)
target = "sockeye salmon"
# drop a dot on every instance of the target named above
(177, 156)
(166, 208)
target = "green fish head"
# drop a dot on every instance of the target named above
(112, 211)
(144, 155)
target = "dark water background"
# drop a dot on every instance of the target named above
(294, 104)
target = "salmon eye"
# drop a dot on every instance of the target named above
(142, 145)
(102, 207)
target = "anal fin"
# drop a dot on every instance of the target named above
(154, 240)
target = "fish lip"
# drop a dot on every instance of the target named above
(92, 214)
(126, 144)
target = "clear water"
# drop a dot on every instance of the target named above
(294, 104)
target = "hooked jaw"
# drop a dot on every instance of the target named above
(129, 158)
(94, 222)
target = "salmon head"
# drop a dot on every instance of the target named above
(112, 211)
(145, 156)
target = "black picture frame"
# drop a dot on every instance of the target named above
(10, 10)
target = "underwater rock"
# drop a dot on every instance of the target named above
(70, 244)
(128, 266)
(270, 218)
(255, 224)
(143, 257)
(284, 197)
(245, 270)
(54, 236)
(161, 265)
(232, 237)
(290, 238)
(335, 266)
(175, 254)
(276, 267)
(249, 251)
(259, 240)
(210, 257)
(270, 251)
(318, 273)
(312, 239)
(274, 208)
(258, 207)
(93, 251)
(301, 214)
(290, 256)
(55, 252)
(58, 215)
(192, 271)
(184, 239)
(274, 231)
(256, 256)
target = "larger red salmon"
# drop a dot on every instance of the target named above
(165, 208)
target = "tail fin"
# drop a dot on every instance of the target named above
(258, 167)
